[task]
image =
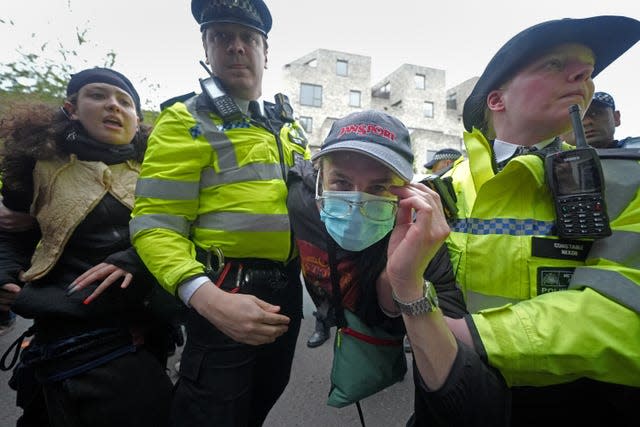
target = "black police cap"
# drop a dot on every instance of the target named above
(250, 13)
(607, 36)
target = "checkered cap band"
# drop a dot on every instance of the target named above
(246, 6)
(605, 98)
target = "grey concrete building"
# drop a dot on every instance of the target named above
(324, 85)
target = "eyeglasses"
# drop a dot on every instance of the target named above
(377, 209)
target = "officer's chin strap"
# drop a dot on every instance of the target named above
(15, 347)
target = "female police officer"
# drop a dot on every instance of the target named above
(569, 356)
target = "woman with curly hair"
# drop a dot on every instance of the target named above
(74, 169)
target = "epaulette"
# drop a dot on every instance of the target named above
(180, 98)
(619, 153)
(630, 142)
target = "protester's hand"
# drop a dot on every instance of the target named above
(244, 318)
(420, 230)
(15, 221)
(8, 294)
(107, 273)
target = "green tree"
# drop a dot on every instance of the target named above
(46, 71)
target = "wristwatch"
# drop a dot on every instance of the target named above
(426, 304)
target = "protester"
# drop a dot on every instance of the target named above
(211, 223)
(97, 360)
(362, 178)
(568, 357)
(600, 123)
(442, 160)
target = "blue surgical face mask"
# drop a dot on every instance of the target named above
(356, 220)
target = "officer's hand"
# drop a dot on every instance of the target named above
(8, 294)
(107, 273)
(244, 318)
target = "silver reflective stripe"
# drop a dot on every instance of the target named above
(251, 172)
(622, 247)
(476, 301)
(170, 222)
(619, 188)
(611, 284)
(230, 221)
(216, 138)
(166, 189)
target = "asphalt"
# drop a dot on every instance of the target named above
(304, 401)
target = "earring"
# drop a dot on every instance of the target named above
(65, 112)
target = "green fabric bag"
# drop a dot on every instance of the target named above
(366, 360)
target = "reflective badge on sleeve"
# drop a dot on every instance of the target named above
(553, 279)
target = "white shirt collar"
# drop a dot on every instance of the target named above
(505, 150)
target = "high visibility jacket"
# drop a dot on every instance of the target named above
(205, 183)
(510, 264)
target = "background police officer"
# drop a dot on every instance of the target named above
(600, 123)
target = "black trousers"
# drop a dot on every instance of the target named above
(225, 383)
(132, 390)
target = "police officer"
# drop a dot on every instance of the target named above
(600, 123)
(442, 159)
(211, 224)
(556, 318)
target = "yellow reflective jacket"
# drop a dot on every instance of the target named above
(510, 264)
(205, 182)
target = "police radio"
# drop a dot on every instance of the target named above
(577, 185)
(224, 105)
(444, 188)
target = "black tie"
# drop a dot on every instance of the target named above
(254, 110)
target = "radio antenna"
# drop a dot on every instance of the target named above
(576, 122)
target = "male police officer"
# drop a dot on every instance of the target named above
(600, 123)
(211, 224)
(442, 159)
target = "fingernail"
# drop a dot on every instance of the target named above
(72, 289)
(71, 286)
(86, 301)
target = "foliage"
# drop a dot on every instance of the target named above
(46, 70)
(41, 73)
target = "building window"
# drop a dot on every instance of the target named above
(428, 109)
(354, 98)
(310, 95)
(307, 123)
(420, 80)
(383, 91)
(342, 67)
(452, 101)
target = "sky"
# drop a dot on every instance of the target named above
(157, 43)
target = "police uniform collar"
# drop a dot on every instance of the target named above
(504, 150)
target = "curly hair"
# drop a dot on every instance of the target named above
(28, 133)
(33, 131)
